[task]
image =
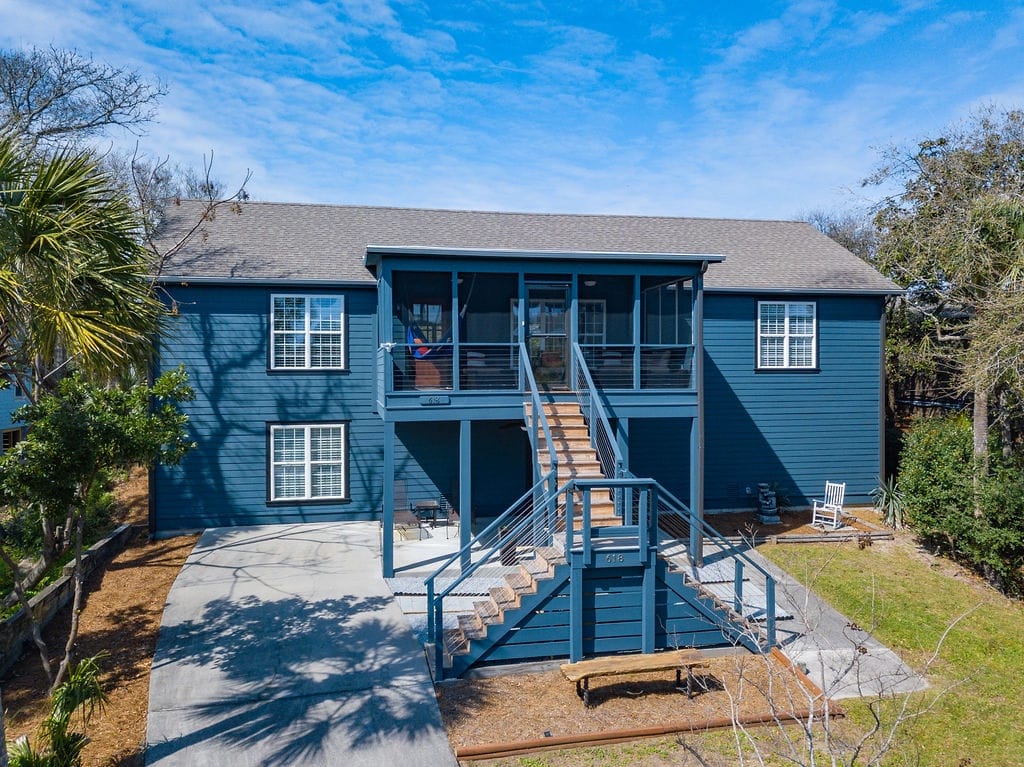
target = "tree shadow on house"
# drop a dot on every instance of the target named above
(291, 680)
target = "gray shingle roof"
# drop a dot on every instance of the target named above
(286, 241)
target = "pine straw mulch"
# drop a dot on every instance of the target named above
(535, 706)
(121, 618)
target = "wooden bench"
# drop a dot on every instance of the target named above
(581, 672)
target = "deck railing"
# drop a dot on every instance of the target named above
(560, 518)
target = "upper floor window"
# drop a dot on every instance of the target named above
(307, 462)
(786, 335)
(307, 332)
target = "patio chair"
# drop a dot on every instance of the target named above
(828, 513)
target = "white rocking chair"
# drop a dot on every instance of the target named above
(828, 514)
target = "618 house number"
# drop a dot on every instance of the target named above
(612, 559)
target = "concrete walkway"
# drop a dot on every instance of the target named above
(282, 645)
(842, 658)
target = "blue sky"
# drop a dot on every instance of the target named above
(740, 109)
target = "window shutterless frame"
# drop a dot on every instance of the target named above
(307, 332)
(307, 462)
(787, 335)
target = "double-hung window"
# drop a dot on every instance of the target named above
(307, 332)
(307, 461)
(786, 337)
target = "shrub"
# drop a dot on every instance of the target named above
(935, 477)
(936, 481)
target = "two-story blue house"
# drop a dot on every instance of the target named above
(352, 362)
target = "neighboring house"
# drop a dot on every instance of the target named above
(11, 398)
(350, 362)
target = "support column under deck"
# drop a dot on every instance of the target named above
(388, 503)
(465, 490)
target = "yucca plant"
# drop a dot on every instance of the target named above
(889, 502)
(81, 695)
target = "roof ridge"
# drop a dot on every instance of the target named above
(539, 214)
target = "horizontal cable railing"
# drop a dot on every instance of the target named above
(675, 517)
(602, 439)
(488, 366)
(666, 366)
(610, 366)
(531, 522)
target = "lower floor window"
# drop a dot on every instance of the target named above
(11, 437)
(307, 461)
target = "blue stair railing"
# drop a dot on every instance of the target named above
(561, 519)
(672, 510)
(531, 522)
(602, 438)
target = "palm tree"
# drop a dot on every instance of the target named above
(75, 283)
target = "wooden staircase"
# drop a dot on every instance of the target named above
(525, 604)
(521, 584)
(576, 458)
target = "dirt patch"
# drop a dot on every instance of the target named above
(121, 617)
(746, 525)
(536, 706)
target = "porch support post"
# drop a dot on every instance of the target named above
(636, 331)
(465, 490)
(576, 607)
(388, 503)
(697, 424)
(622, 440)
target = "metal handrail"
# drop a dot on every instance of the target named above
(601, 438)
(534, 522)
(538, 420)
(668, 502)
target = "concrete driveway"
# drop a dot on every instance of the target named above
(281, 645)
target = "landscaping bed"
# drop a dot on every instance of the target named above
(121, 618)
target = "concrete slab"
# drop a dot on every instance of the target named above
(283, 645)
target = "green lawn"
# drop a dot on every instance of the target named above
(910, 603)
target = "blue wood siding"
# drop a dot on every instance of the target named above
(660, 448)
(221, 336)
(794, 428)
(9, 401)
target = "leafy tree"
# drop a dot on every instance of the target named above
(76, 437)
(952, 237)
(854, 231)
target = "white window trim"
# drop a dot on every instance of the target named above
(307, 462)
(307, 332)
(786, 335)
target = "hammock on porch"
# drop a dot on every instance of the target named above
(422, 349)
